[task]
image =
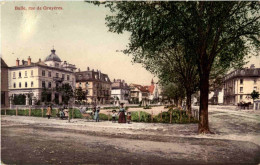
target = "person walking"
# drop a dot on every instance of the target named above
(48, 112)
(97, 114)
(121, 118)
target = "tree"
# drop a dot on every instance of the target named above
(66, 91)
(212, 34)
(79, 94)
(255, 95)
(173, 91)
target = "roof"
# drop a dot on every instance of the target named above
(140, 87)
(39, 64)
(53, 57)
(92, 76)
(246, 72)
(3, 64)
(119, 85)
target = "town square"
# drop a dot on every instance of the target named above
(130, 82)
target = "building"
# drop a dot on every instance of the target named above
(139, 94)
(153, 92)
(32, 83)
(96, 85)
(4, 85)
(239, 84)
(120, 91)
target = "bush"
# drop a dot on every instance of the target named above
(24, 112)
(144, 116)
(11, 112)
(177, 117)
(37, 112)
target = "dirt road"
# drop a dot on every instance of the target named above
(31, 140)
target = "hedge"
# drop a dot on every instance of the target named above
(144, 116)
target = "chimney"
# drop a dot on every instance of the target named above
(40, 60)
(114, 80)
(88, 68)
(79, 70)
(17, 62)
(29, 60)
(23, 62)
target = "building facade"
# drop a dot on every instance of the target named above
(28, 81)
(96, 85)
(120, 91)
(4, 85)
(139, 94)
(239, 84)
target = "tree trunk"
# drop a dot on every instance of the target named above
(188, 104)
(204, 97)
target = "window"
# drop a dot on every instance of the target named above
(241, 89)
(43, 73)
(49, 85)
(68, 77)
(14, 85)
(63, 76)
(49, 73)
(57, 85)
(57, 74)
(20, 74)
(241, 81)
(32, 84)
(25, 85)
(25, 74)
(20, 85)
(43, 84)
(31, 72)
(13, 74)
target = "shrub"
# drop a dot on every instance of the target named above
(37, 112)
(11, 112)
(23, 112)
(144, 116)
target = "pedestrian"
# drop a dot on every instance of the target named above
(97, 114)
(113, 116)
(121, 118)
(128, 117)
(48, 112)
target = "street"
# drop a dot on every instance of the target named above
(32, 140)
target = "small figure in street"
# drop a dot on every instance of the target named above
(128, 117)
(62, 114)
(48, 112)
(121, 118)
(97, 114)
(113, 116)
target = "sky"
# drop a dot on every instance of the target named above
(77, 32)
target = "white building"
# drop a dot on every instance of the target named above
(27, 79)
(120, 91)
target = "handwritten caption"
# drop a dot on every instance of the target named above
(37, 8)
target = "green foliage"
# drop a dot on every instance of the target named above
(11, 112)
(255, 95)
(144, 116)
(79, 94)
(19, 99)
(211, 35)
(24, 112)
(66, 91)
